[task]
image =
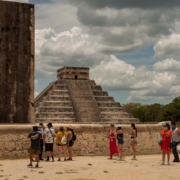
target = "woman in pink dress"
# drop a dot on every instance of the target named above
(112, 141)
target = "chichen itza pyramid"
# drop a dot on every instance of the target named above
(74, 98)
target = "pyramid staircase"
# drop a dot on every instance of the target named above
(78, 101)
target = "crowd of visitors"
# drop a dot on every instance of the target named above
(64, 139)
(46, 136)
(169, 139)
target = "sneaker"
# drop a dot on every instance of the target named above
(41, 159)
(65, 159)
(37, 165)
(59, 160)
(47, 160)
(30, 165)
(176, 160)
(163, 163)
(133, 158)
(168, 163)
(69, 159)
(121, 159)
(118, 159)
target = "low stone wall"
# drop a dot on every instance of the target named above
(91, 139)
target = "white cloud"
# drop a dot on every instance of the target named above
(167, 65)
(36, 94)
(75, 48)
(168, 46)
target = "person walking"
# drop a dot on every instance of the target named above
(61, 142)
(112, 141)
(34, 150)
(41, 131)
(71, 137)
(133, 134)
(120, 140)
(49, 134)
(175, 140)
(166, 135)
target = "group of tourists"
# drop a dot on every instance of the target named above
(45, 136)
(168, 141)
(64, 140)
(117, 133)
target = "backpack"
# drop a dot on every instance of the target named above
(74, 137)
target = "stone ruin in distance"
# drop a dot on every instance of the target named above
(74, 98)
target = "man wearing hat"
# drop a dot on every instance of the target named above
(49, 134)
(34, 150)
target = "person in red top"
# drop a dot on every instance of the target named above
(112, 141)
(166, 135)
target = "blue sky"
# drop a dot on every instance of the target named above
(132, 47)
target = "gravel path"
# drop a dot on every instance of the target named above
(147, 167)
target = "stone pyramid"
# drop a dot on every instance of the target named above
(74, 98)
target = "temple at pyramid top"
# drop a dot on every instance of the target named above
(73, 73)
(74, 98)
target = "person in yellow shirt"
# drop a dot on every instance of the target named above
(61, 142)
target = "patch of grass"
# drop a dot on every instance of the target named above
(2, 170)
(71, 171)
(41, 172)
(1, 165)
(106, 172)
(89, 164)
(1, 176)
(21, 179)
(25, 177)
(59, 173)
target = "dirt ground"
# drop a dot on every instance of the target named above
(147, 167)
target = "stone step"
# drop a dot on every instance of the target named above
(108, 104)
(57, 98)
(60, 87)
(96, 88)
(57, 103)
(55, 120)
(55, 115)
(112, 109)
(104, 98)
(121, 120)
(112, 116)
(55, 109)
(100, 93)
(61, 82)
(59, 92)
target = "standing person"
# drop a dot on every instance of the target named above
(61, 142)
(133, 133)
(49, 134)
(71, 137)
(41, 131)
(34, 150)
(120, 140)
(112, 141)
(175, 140)
(166, 135)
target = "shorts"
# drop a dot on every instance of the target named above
(133, 141)
(120, 141)
(62, 144)
(70, 143)
(34, 151)
(49, 147)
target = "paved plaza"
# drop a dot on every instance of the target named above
(147, 167)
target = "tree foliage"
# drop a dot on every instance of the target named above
(155, 112)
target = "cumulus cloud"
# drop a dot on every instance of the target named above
(129, 3)
(75, 48)
(36, 94)
(168, 46)
(167, 65)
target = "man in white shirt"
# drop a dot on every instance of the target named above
(49, 134)
(175, 141)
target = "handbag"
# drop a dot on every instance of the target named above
(159, 139)
(64, 140)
